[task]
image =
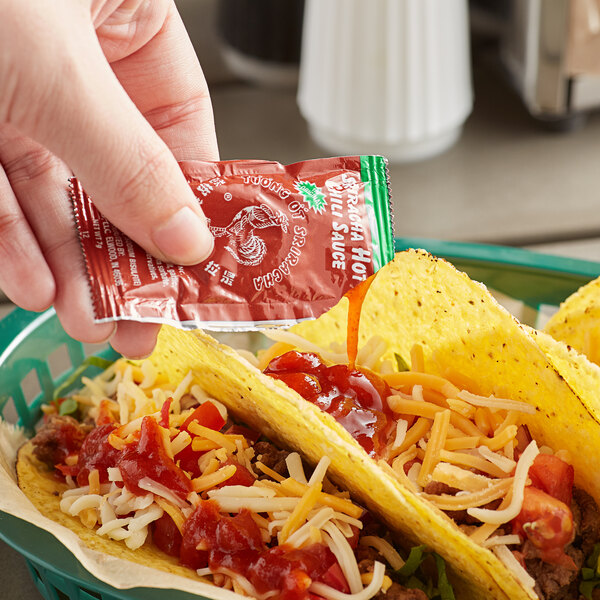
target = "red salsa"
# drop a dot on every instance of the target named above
(208, 538)
(355, 397)
(234, 543)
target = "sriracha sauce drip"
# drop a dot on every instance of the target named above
(356, 398)
(356, 297)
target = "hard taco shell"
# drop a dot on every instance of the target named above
(577, 322)
(415, 299)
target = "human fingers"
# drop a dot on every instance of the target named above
(165, 80)
(39, 183)
(24, 275)
(93, 125)
(135, 340)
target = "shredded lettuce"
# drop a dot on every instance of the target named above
(401, 364)
(590, 574)
(412, 575)
(90, 361)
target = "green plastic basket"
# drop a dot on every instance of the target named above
(28, 342)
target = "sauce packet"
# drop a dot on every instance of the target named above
(289, 242)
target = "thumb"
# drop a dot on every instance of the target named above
(86, 118)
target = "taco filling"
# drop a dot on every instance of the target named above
(466, 454)
(146, 463)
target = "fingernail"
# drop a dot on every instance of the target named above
(184, 238)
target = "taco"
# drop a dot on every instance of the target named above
(154, 471)
(577, 322)
(508, 443)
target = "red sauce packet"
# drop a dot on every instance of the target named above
(289, 242)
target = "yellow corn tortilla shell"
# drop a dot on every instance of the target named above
(415, 299)
(582, 375)
(40, 485)
(577, 322)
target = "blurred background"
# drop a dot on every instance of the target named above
(489, 108)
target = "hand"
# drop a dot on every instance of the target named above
(113, 89)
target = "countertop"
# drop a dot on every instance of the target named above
(507, 180)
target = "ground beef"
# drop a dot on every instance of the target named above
(272, 457)
(399, 592)
(395, 591)
(553, 582)
(366, 553)
(587, 521)
(437, 488)
(58, 438)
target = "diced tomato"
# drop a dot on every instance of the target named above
(148, 458)
(199, 529)
(238, 534)
(334, 577)
(188, 460)
(553, 476)
(241, 476)
(250, 434)
(97, 453)
(208, 415)
(290, 570)
(166, 536)
(164, 413)
(353, 539)
(548, 523)
(67, 470)
(105, 415)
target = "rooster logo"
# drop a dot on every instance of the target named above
(244, 245)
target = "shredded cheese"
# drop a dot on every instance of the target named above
(413, 435)
(504, 463)
(401, 429)
(495, 403)
(520, 480)
(295, 468)
(434, 446)
(427, 380)
(320, 470)
(460, 478)
(300, 512)
(317, 521)
(295, 488)
(464, 459)
(294, 340)
(496, 489)
(385, 549)
(514, 566)
(216, 437)
(206, 482)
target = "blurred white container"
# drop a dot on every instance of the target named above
(389, 77)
